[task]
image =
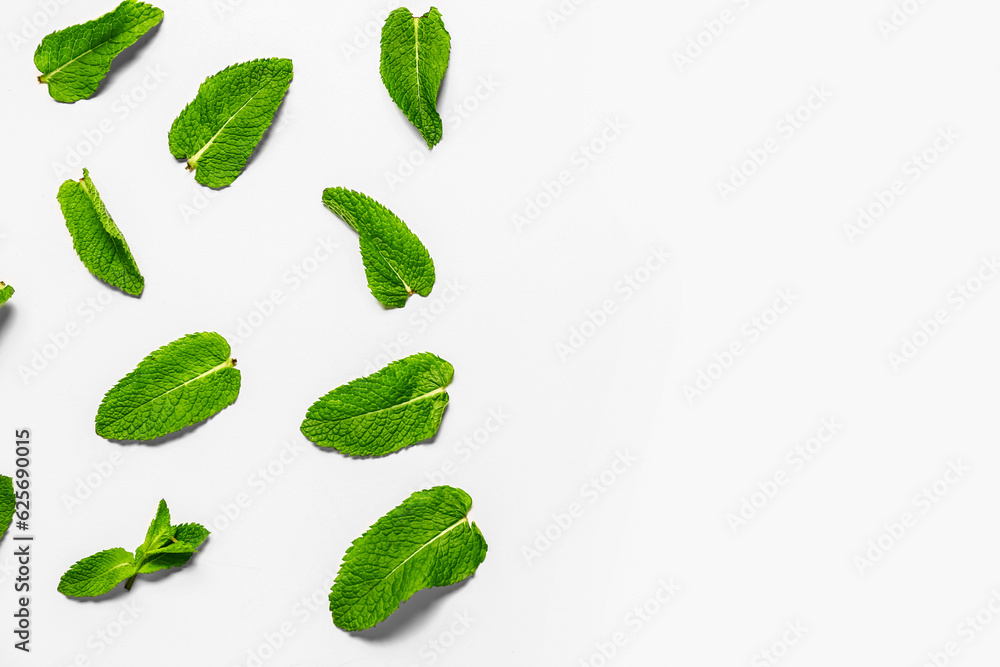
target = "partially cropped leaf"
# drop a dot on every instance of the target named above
(415, 54)
(426, 541)
(397, 264)
(182, 383)
(73, 61)
(165, 546)
(6, 291)
(395, 407)
(98, 574)
(218, 131)
(96, 237)
(6, 503)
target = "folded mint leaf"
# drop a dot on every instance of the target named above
(165, 546)
(6, 291)
(426, 541)
(182, 383)
(73, 61)
(7, 501)
(397, 264)
(393, 408)
(218, 131)
(97, 574)
(98, 241)
(414, 59)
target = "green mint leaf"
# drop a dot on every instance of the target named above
(397, 264)
(6, 503)
(6, 291)
(218, 131)
(393, 408)
(97, 574)
(414, 59)
(96, 237)
(426, 541)
(73, 61)
(182, 383)
(165, 547)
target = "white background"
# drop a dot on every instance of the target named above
(207, 263)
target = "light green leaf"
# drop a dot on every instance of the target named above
(7, 502)
(218, 131)
(96, 237)
(73, 61)
(396, 407)
(426, 541)
(182, 383)
(397, 264)
(6, 291)
(414, 59)
(97, 574)
(166, 546)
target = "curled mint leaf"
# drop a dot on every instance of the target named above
(393, 408)
(218, 131)
(182, 383)
(7, 502)
(165, 546)
(415, 53)
(426, 541)
(397, 265)
(73, 61)
(6, 291)
(96, 237)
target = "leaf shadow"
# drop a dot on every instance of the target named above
(406, 617)
(124, 59)
(119, 590)
(7, 313)
(429, 441)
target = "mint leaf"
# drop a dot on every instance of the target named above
(414, 59)
(426, 541)
(6, 503)
(97, 574)
(182, 383)
(393, 408)
(73, 61)
(96, 237)
(397, 264)
(218, 131)
(6, 291)
(166, 546)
